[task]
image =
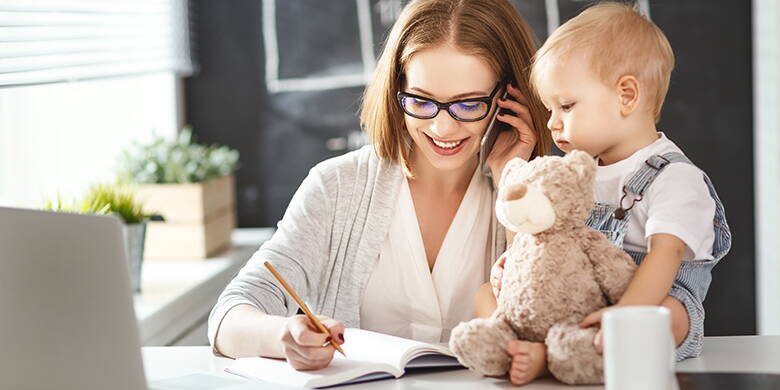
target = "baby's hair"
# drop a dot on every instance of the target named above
(618, 41)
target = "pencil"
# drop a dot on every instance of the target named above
(305, 308)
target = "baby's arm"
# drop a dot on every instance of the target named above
(654, 277)
(651, 284)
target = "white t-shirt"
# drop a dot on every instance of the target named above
(677, 203)
(404, 297)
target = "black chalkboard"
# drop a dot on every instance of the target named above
(302, 108)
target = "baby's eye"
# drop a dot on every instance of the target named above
(567, 107)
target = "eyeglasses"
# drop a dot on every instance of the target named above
(465, 110)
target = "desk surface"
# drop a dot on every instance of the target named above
(731, 354)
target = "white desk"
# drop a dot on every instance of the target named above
(177, 295)
(725, 354)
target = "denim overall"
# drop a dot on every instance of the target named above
(694, 276)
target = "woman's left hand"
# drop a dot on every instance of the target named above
(521, 123)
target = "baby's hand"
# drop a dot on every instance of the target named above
(598, 342)
(496, 272)
(593, 318)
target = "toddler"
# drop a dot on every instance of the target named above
(603, 76)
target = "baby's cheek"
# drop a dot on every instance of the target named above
(591, 146)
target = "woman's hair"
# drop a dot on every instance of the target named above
(618, 41)
(492, 30)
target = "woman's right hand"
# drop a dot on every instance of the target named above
(304, 346)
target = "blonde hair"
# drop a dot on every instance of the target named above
(490, 29)
(619, 41)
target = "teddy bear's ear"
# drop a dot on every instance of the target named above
(583, 163)
(511, 166)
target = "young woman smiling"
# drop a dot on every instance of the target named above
(397, 237)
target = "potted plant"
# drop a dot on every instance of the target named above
(106, 199)
(191, 186)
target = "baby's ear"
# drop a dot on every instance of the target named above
(513, 165)
(583, 164)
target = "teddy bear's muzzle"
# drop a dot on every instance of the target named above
(525, 209)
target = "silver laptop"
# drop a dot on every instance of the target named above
(66, 310)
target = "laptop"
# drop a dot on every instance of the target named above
(66, 310)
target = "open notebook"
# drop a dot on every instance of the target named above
(370, 356)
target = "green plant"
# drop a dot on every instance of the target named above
(58, 204)
(180, 160)
(103, 199)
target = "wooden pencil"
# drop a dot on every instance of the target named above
(305, 308)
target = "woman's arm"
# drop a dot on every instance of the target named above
(246, 331)
(484, 302)
(253, 314)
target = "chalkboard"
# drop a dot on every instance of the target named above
(281, 80)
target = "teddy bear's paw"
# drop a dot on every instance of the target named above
(480, 344)
(571, 356)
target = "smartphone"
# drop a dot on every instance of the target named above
(494, 127)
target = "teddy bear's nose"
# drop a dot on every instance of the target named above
(515, 192)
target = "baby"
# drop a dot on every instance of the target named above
(603, 76)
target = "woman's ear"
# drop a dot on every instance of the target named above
(628, 92)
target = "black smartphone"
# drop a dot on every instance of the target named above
(494, 127)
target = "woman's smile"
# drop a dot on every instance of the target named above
(447, 147)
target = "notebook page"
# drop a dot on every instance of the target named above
(367, 353)
(370, 346)
(279, 371)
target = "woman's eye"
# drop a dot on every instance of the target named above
(419, 102)
(470, 106)
(567, 107)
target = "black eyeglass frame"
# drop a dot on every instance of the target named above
(446, 106)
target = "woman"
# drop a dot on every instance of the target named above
(398, 237)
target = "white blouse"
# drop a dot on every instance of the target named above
(403, 297)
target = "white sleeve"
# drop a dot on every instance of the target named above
(679, 203)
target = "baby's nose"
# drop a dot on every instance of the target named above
(554, 124)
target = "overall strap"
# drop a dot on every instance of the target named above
(644, 177)
(652, 167)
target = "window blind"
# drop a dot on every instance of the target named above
(66, 40)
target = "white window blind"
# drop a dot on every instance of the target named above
(67, 40)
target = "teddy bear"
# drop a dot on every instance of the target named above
(557, 271)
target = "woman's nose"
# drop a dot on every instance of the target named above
(443, 125)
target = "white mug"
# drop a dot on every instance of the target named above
(638, 348)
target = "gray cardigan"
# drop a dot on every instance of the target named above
(328, 242)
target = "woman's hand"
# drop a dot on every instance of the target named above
(522, 125)
(304, 347)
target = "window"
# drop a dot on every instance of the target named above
(80, 80)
